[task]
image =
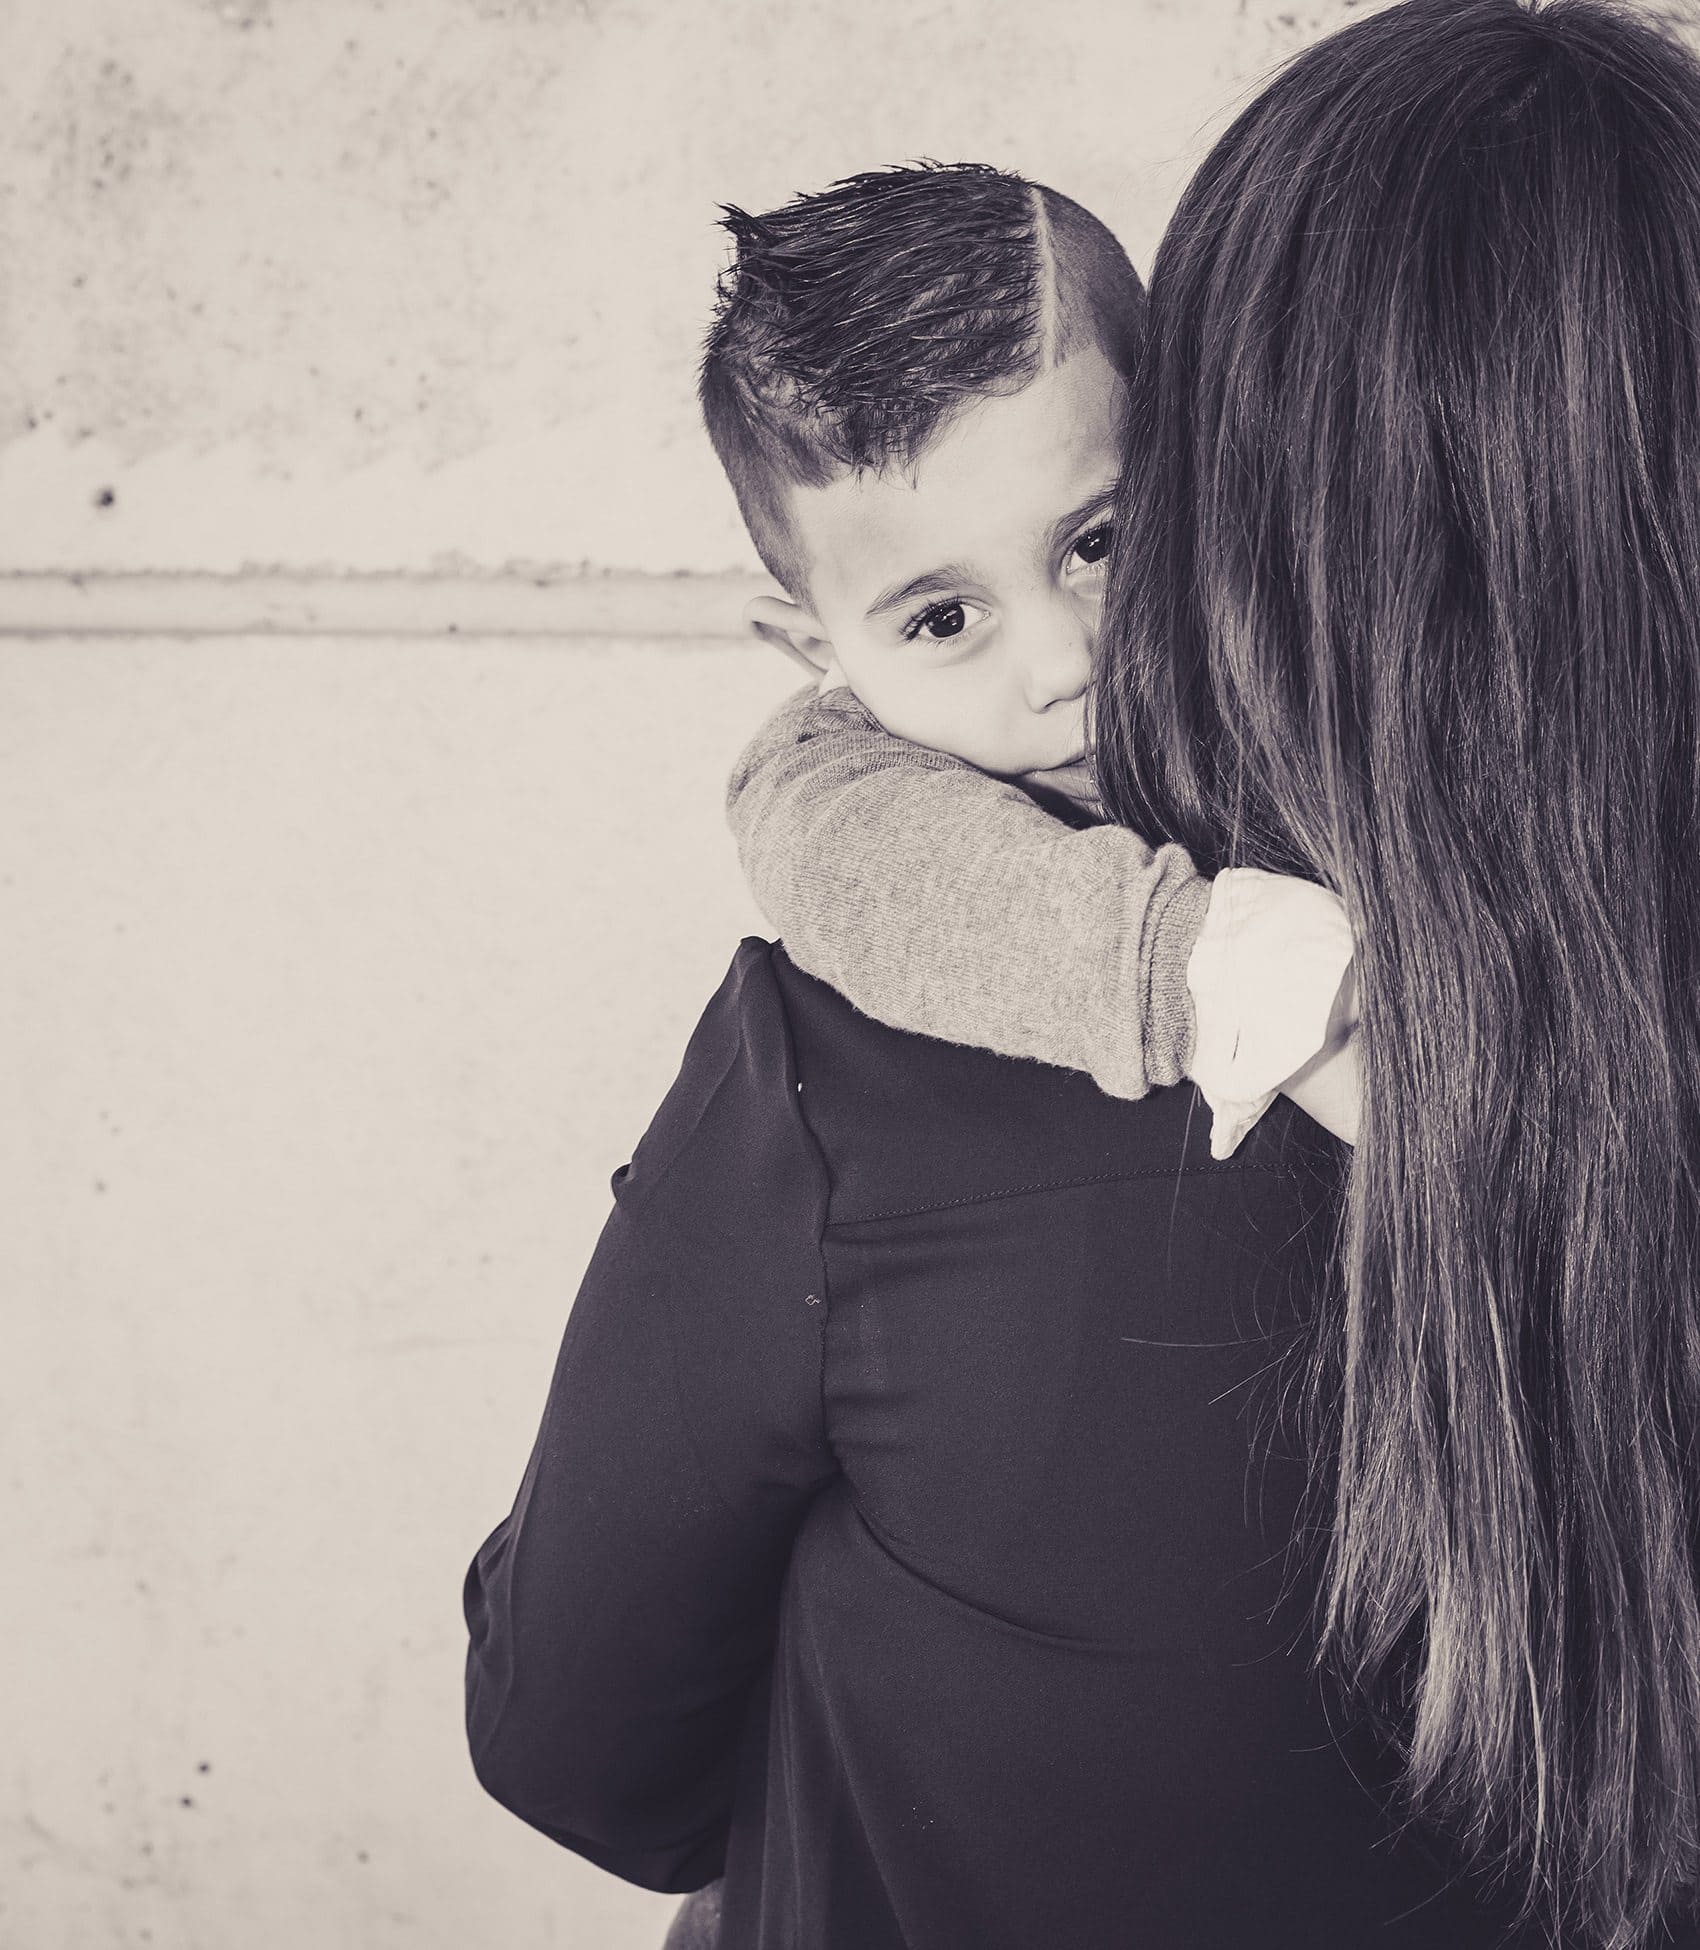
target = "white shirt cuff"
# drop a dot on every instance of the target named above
(1265, 975)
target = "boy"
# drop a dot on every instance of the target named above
(915, 383)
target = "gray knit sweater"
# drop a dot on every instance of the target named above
(940, 900)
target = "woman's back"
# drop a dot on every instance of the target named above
(1043, 1670)
(909, 1527)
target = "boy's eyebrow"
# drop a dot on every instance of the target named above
(946, 581)
(943, 581)
(1077, 518)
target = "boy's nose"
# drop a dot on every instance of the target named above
(1060, 667)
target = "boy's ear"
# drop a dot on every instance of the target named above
(792, 629)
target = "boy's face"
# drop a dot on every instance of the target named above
(960, 596)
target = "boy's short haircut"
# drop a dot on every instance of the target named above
(851, 323)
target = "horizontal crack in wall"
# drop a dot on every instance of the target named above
(695, 608)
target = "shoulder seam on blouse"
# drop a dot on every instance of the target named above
(801, 1110)
(1058, 1185)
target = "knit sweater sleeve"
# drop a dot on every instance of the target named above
(944, 901)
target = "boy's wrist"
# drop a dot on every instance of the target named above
(1176, 923)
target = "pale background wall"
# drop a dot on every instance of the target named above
(415, 283)
(344, 957)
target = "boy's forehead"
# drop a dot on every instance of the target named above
(995, 479)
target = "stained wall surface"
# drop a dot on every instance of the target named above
(351, 931)
(415, 283)
(339, 977)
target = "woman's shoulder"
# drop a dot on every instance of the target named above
(730, 1123)
(905, 1123)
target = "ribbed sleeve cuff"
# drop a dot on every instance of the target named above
(1176, 917)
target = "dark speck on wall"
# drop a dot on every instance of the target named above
(203, 1767)
(105, 497)
(185, 1800)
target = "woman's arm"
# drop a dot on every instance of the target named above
(623, 1614)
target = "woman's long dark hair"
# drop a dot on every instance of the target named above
(1407, 598)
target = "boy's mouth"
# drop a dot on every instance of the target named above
(1074, 781)
(1068, 769)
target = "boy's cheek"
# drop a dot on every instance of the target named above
(886, 689)
(942, 706)
(888, 702)
(922, 719)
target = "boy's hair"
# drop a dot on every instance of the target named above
(851, 323)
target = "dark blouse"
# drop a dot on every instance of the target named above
(908, 1531)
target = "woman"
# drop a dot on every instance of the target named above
(921, 1527)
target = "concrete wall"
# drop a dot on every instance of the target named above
(339, 976)
(345, 957)
(414, 283)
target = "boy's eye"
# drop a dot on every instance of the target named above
(942, 621)
(1094, 546)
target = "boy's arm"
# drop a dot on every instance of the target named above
(943, 901)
